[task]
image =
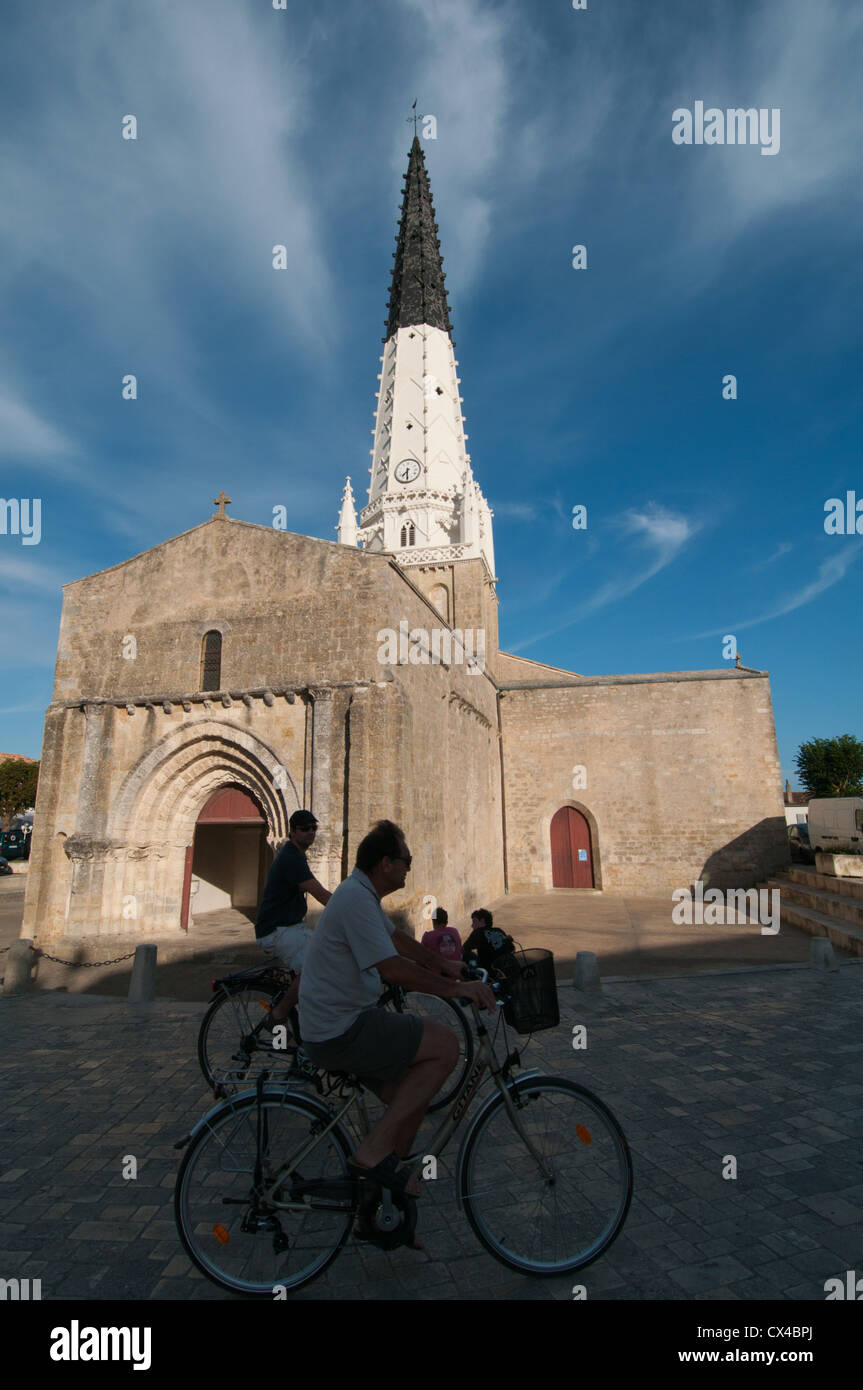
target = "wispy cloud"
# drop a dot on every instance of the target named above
(23, 433)
(784, 548)
(22, 573)
(663, 534)
(212, 182)
(830, 572)
(515, 511)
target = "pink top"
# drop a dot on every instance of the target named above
(445, 941)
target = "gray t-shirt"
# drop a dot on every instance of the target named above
(338, 979)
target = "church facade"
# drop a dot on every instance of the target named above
(210, 686)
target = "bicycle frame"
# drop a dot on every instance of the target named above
(486, 1061)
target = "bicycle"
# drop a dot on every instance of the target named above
(235, 1040)
(263, 1201)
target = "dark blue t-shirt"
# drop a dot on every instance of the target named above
(283, 905)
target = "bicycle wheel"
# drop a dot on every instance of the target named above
(231, 1018)
(232, 1236)
(451, 1015)
(546, 1224)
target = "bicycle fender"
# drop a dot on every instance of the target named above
(486, 1105)
(320, 1110)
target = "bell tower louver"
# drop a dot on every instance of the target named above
(424, 506)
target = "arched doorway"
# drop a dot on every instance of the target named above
(228, 860)
(571, 858)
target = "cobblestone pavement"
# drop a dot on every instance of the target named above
(764, 1065)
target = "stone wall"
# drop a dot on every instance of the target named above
(354, 738)
(683, 779)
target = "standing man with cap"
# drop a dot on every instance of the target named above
(279, 927)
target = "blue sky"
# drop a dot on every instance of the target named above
(600, 386)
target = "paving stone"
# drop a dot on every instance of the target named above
(794, 1127)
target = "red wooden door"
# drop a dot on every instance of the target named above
(571, 863)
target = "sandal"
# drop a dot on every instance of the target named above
(387, 1174)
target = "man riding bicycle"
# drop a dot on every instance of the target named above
(404, 1058)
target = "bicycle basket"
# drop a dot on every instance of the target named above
(532, 1004)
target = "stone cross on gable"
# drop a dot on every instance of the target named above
(221, 500)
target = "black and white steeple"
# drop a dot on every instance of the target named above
(424, 505)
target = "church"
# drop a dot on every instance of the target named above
(208, 687)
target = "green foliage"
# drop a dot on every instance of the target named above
(17, 786)
(831, 766)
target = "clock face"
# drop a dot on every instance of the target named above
(407, 470)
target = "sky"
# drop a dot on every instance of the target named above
(604, 386)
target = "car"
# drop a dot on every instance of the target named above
(801, 850)
(15, 842)
(5, 866)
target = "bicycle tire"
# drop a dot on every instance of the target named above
(234, 1012)
(450, 1014)
(588, 1195)
(219, 1163)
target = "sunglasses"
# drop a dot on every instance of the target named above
(405, 858)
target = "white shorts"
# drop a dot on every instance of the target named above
(288, 944)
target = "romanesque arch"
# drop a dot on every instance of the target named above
(165, 790)
(151, 822)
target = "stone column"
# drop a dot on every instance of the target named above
(326, 855)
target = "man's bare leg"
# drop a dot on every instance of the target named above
(280, 1013)
(408, 1099)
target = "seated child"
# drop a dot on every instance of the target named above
(487, 942)
(443, 939)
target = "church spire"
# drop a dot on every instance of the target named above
(424, 506)
(347, 525)
(417, 295)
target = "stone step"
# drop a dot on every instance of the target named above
(837, 905)
(847, 887)
(844, 935)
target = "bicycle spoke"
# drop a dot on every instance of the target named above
(539, 1223)
(247, 1243)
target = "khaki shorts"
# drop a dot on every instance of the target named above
(288, 944)
(378, 1046)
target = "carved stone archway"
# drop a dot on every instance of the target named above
(151, 822)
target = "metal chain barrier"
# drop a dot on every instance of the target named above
(84, 964)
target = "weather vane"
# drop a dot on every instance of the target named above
(414, 117)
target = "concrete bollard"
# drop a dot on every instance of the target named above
(142, 986)
(18, 978)
(821, 954)
(586, 973)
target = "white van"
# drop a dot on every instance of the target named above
(836, 821)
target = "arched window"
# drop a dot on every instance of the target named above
(408, 534)
(211, 661)
(440, 598)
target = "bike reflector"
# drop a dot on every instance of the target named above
(221, 1235)
(583, 1134)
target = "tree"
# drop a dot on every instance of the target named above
(831, 766)
(18, 782)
